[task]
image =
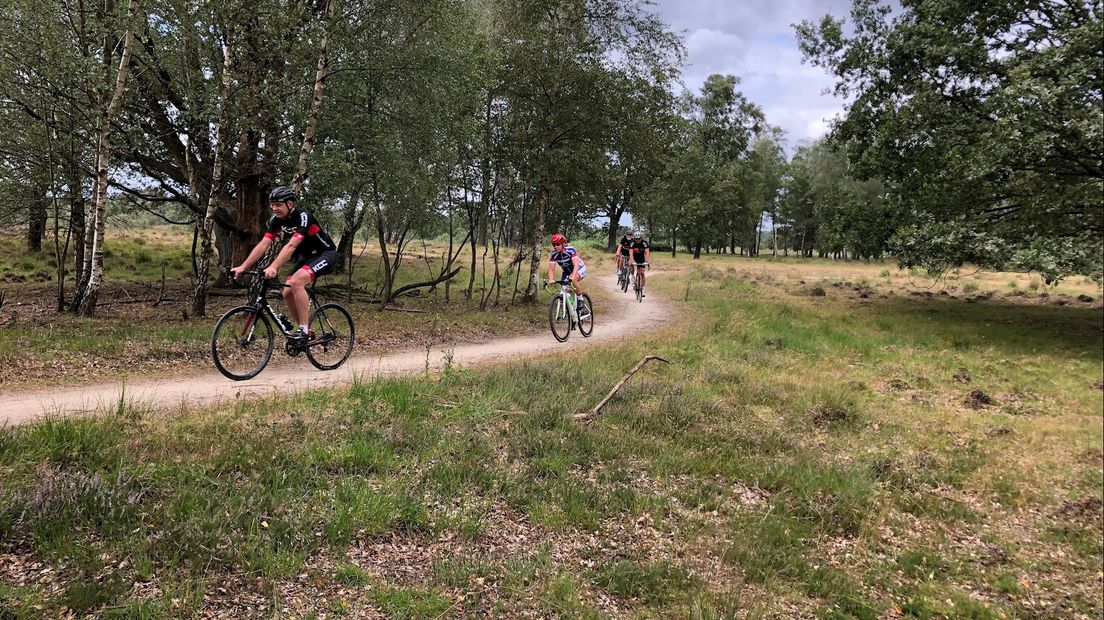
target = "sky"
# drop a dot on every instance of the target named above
(754, 40)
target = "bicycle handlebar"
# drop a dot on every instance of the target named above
(258, 273)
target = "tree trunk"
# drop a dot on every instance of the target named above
(537, 243)
(206, 226)
(697, 247)
(316, 104)
(103, 159)
(614, 210)
(353, 219)
(36, 212)
(485, 190)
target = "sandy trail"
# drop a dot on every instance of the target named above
(614, 319)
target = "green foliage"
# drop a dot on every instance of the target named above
(983, 122)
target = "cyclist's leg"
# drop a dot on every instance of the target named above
(296, 294)
(577, 275)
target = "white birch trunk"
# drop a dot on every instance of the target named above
(316, 105)
(199, 295)
(103, 161)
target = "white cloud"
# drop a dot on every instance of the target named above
(754, 40)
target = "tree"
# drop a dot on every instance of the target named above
(984, 122)
(88, 292)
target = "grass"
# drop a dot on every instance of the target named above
(775, 468)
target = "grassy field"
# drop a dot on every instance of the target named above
(820, 446)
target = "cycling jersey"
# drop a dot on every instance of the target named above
(638, 246)
(298, 223)
(625, 244)
(564, 259)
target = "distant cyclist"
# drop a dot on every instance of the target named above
(641, 254)
(622, 252)
(313, 250)
(568, 259)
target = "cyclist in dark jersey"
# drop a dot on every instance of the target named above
(641, 254)
(622, 251)
(313, 250)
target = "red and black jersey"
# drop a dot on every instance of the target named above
(638, 246)
(301, 224)
(626, 243)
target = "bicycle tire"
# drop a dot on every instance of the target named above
(334, 337)
(586, 316)
(238, 351)
(558, 316)
(624, 281)
(639, 288)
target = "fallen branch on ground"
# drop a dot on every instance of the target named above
(598, 408)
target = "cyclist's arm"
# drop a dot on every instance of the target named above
(551, 268)
(648, 254)
(285, 253)
(254, 256)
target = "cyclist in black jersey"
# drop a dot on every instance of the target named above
(622, 251)
(313, 250)
(641, 254)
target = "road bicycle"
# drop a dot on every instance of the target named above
(623, 276)
(638, 280)
(242, 342)
(564, 316)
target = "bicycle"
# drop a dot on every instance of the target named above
(638, 281)
(241, 345)
(623, 276)
(564, 316)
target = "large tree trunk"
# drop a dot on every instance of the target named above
(352, 220)
(614, 210)
(199, 294)
(537, 242)
(103, 160)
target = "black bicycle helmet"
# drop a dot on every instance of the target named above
(282, 193)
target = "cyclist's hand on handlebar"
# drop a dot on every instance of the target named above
(270, 272)
(235, 272)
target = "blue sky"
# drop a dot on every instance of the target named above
(754, 40)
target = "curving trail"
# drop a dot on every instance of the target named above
(614, 319)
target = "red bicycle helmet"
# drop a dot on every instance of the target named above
(558, 239)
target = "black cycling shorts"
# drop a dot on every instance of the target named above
(319, 264)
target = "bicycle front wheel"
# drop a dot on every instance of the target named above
(558, 319)
(624, 282)
(639, 288)
(586, 316)
(333, 337)
(242, 343)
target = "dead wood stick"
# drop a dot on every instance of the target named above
(398, 309)
(598, 408)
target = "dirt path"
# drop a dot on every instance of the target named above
(614, 319)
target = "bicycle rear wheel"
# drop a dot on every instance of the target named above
(333, 337)
(639, 287)
(242, 343)
(624, 281)
(558, 318)
(586, 316)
